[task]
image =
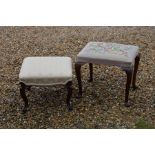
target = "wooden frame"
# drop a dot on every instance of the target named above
(23, 88)
(131, 77)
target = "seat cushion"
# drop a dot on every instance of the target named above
(108, 53)
(46, 70)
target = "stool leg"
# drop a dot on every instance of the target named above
(78, 75)
(91, 72)
(128, 83)
(137, 59)
(69, 94)
(23, 95)
(28, 88)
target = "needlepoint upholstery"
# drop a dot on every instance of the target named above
(109, 53)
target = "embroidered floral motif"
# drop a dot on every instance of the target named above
(109, 48)
(109, 53)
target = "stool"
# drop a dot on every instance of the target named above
(45, 71)
(124, 56)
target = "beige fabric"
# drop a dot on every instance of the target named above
(46, 70)
(108, 53)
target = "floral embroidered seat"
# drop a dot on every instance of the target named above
(109, 53)
(124, 56)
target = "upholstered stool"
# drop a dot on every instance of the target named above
(124, 56)
(45, 71)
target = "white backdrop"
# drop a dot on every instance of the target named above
(77, 13)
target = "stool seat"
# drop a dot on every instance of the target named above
(126, 57)
(108, 53)
(46, 70)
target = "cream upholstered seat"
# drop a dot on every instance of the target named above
(46, 70)
(108, 53)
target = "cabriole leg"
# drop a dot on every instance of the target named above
(69, 95)
(78, 75)
(23, 95)
(91, 72)
(128, 83)
(137, 59)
